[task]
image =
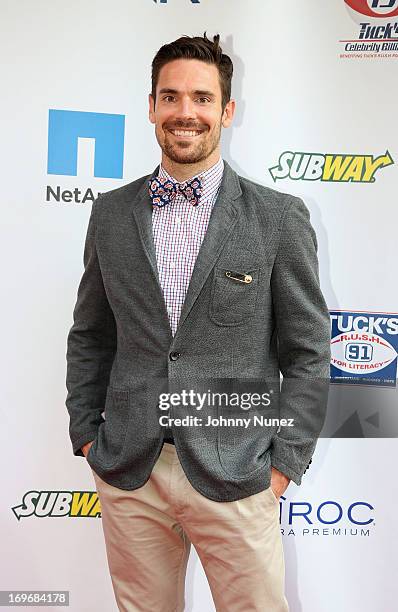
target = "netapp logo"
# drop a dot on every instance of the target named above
(65, 127)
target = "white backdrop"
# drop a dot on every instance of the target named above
(299, 88)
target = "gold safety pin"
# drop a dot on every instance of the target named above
(242, 278)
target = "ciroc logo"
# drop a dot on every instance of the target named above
(326, 518)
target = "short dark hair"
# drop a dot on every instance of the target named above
(199, 48)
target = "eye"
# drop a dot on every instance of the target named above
(169, 98)
(203, 100)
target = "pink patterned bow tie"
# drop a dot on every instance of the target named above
(162, 191)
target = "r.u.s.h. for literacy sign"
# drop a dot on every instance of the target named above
(364, 348)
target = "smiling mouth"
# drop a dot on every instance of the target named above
(186, 133)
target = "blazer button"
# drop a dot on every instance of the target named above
(174, 356)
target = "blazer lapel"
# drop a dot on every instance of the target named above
(142, 211)
(222, 219)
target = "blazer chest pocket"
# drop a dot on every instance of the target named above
(233, 295)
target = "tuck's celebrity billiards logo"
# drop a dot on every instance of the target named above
(376, 32)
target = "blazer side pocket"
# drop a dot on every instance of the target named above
(233, 295)
(109, 443)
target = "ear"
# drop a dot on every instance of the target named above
(151, 109)
(228, 113)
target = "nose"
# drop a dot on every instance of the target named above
(186, 109)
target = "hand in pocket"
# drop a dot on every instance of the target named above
(86, 448)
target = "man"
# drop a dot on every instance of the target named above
(195, 275)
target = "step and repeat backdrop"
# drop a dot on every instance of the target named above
(315, 85)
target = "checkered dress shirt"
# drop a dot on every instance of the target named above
(178, 232)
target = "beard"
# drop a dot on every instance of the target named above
(188, 152)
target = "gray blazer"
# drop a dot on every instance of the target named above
(232, 335)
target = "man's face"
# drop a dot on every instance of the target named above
(188, 112)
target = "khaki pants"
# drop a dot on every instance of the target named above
(148, 534)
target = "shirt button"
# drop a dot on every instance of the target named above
(172, 265)
(178, 220)
(174, 355)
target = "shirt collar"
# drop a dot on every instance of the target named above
(210, 178)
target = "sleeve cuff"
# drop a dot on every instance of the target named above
(287, 470)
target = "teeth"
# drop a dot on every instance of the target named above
(184, 133)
